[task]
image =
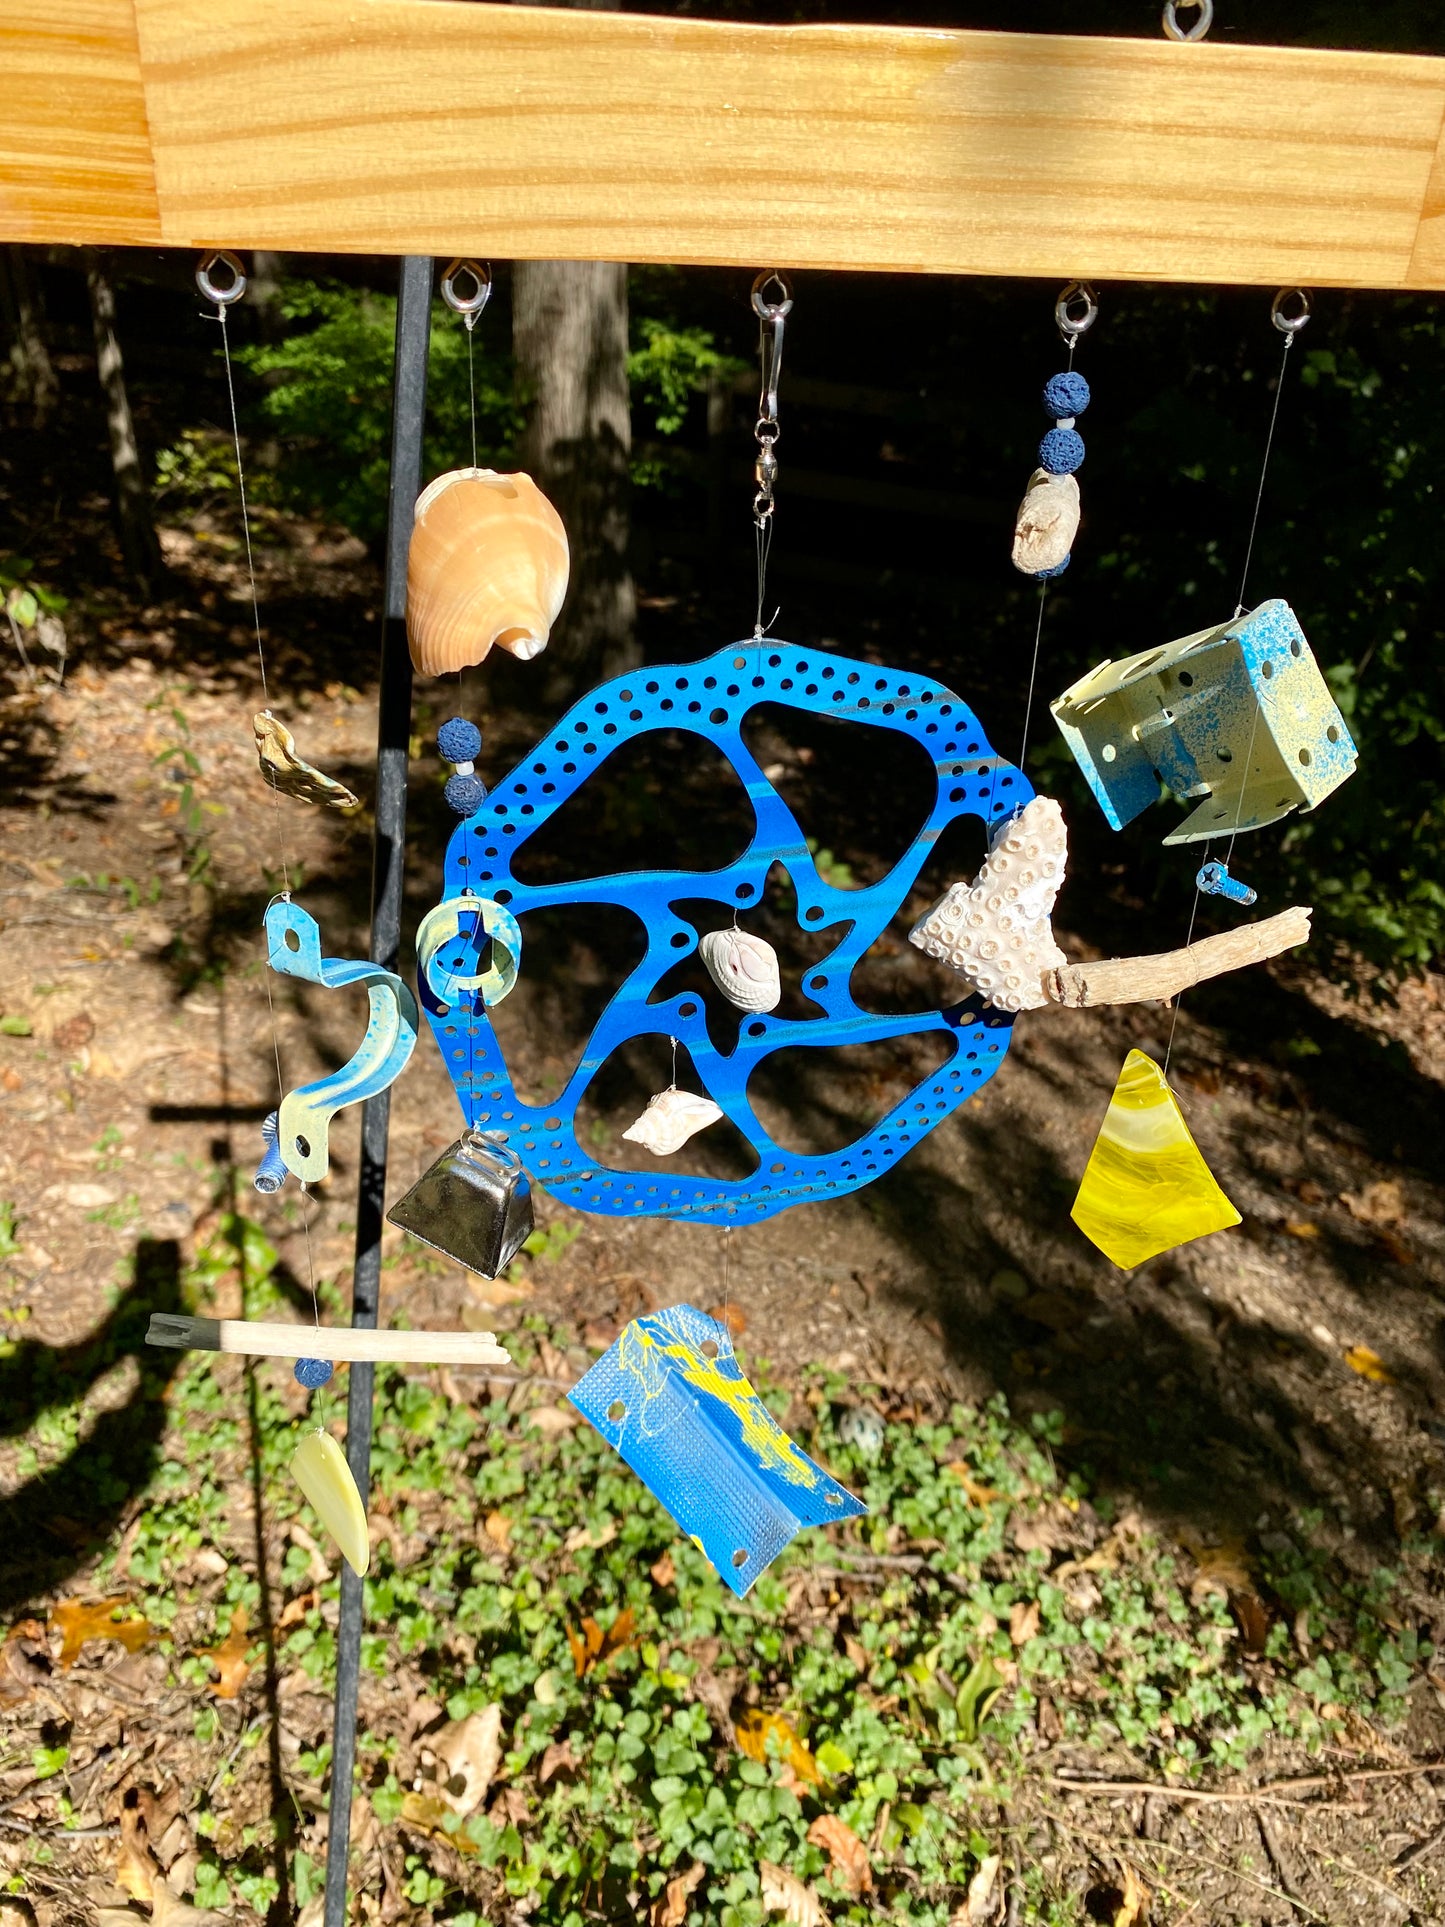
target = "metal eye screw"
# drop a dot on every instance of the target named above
(1081, 297)
(767, 310)
(469, 307)
(1201, 26)
(221, 258)
(1290, 324)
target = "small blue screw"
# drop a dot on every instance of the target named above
(271, 1171)
(1215, 881)
(313, 1373)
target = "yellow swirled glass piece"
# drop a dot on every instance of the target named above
(319, 1467)
(1146, 1187)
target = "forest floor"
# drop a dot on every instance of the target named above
(1142, 1621)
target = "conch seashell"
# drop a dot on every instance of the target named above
(744, 968)
(995, 932)
(488, 565)
(1047, 522)
(671, 1118)
(284, 770)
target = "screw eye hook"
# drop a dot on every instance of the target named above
(1290, 310)
(1172, 28)
(469, 307)
(1076, 311)
(236, 284)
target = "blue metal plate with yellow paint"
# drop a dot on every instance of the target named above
(671, 1398)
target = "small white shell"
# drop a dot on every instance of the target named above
(744, 968)
(1047, 522)
(1002, 950)
(670, 1119)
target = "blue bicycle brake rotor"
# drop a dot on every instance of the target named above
(712, 698)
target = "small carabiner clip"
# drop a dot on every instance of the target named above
(775, 312)
(221, 258)
(469, 307)
(1290, 324)
(1078, 295)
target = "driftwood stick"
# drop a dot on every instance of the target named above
(344, 1344)
(1141, 980)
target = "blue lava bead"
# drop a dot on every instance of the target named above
(459, 741)
(465, 794)
(313, 1373)
(1066, 394)
(1048, 575)
(1061, 451)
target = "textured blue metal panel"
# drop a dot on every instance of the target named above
(671, 1398)
(712, 698)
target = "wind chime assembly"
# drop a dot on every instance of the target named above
(1236, 720)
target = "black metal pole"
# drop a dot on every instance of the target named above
(393, 731)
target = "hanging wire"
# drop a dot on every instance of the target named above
(224, 296)
(1289, 312)
(469, 307)
(772, 319)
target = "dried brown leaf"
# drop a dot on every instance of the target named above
(294, 1612)
(982, 1902)
(229, 1658)
(469, 1752)
(663, 1571)
(848, 1865)
(591, 1537)
(498, 1528)
(82, 1620)
(785, 1894)
(558, 1758)
(1023, 1621)
(551, 1419)
(670, 1907)
(1134, 1899)
(592, 1646)
(1380, 1203)
(974, 1492)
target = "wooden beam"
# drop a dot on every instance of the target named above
(397, 126)
(342, 1344)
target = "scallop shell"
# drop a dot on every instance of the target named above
(488, 565)
(995, 932)
(744, 968)
(284, 770)
(670, 1119)
(1047, 522)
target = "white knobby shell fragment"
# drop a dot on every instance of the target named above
(671, 1118)
(1047, 522)
(744, 968)
(995, 932)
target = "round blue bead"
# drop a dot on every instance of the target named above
(1061, 451)
(1066, 394)
(465, 794)
(459, 741)
(313, 1373)
(1047, 575)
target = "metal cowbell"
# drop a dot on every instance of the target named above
(474, 1205)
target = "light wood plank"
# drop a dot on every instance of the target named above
(398, 126)
(75, 161)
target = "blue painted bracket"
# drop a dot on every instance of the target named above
(293, 947)
(671, 1398)
(712, 698)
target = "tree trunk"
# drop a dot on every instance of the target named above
(30, 375)
(569, 335)
(263, 292)
(134, 517)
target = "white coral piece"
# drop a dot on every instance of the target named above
(744, 968)
(671, 1118)
(995, 932)
(1047, 522)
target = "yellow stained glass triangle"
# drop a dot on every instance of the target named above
(1146, 1187)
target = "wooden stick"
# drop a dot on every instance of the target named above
(343, 1344)
(1142, 980)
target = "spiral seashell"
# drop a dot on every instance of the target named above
(671, 1118)
(1005, 965)
(744, 968)
(1047, 522)
(488, 565)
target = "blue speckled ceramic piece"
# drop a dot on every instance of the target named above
(712, 699)
(1238, 715)
(293, 947)
(671, 1398)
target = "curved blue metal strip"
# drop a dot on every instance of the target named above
(712, 698)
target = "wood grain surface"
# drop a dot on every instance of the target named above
(401, 126)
